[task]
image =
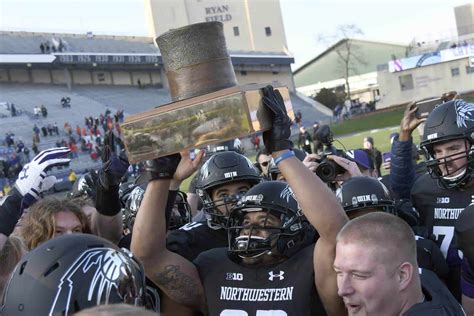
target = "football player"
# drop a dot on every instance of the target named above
(465, 241)
(72, 272)
(185, 282)
(441, 195)
(222, 180)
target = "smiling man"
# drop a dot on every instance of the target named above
(442, 195)
(378, 274)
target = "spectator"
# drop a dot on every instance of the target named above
(78, 131)
(42, 48)
(36, 111)
(255, 140)
(35, 148)
(305, 140)
(56, 129)
(44, 130)
(50, 130)
(262, 162)
(375, 153)
(383, 246)
(9, 139)
(73, 148)
(36, 131)
(26, 153)
(94, 155)
(72, 176)
(298, 118)
(13, 110)
(317, 145)
(44, 111)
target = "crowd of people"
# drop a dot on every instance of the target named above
(86, 140)
(297, 232)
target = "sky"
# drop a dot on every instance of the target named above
(305, 20)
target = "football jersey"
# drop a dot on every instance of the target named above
(439, 209)
(438, 300)
(285, 288)
(195, 237)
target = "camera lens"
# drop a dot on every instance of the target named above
(326, 171)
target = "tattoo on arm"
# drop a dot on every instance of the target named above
(179, 286)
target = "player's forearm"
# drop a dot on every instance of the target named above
(318, 203)
(149, 231)
(108, 227)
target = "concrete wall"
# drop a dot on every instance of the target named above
(19, 75)
(156, 77)
(261, 77)
(251, 17)
(163, 15)
(4, 75)
(41, 75)
(58, 76)
(121, 78)
(81, 77)
(102, 77)
(144, 77)
(265, 14)
(428, 81)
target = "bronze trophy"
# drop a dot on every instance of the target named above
(207, 104)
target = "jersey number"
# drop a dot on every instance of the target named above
(444, 234)
(236, 312)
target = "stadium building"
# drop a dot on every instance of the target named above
(437, 63)
(396, 74)
(327, 69)
(101, 73)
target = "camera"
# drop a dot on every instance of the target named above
(328, 169)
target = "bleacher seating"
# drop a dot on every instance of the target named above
(14, 43)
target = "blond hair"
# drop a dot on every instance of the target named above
(390, 238)
(39, 224)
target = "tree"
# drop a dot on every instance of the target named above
(329, 98)
(347, 51)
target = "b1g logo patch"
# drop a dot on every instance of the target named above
(442, 200)
(234, 277)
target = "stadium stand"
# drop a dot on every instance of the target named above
(100, 73)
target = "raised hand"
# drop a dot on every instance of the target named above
(114, 165)
(163, 167)
(32, 179)
(278, 137)
(410, 121)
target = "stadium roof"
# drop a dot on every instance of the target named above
(21, 43)
(326, 66)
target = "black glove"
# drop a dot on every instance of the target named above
(163, 167)
(10, 211)
(464, 228)
(114, 166)
(278, 137)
